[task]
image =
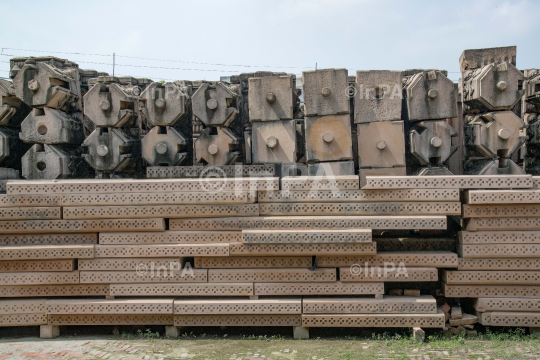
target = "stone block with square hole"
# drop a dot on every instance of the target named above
(429, 95)
(381, 144)
(328, 138)
(325, 92)
(51, 126)
(274, 142)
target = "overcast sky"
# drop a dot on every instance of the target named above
(230, 37)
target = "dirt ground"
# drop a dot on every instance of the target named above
(251, 344)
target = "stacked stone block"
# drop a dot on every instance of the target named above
(429, 100)
(112, 104)
(380, 129)
(491, 86)
(328, 138)
(51, 87)
(530, 110)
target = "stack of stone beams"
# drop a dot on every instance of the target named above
(264, 253)
(499, 265)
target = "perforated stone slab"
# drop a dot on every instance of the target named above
(40, 278)
(159, 211)
(237, 306)
(140, 186)
(499, 264)
(501, 211)
(102, 319)
(332, 288)
(110, 307)
(53, 290)
(476, 291)
(22, 306)
(175, 172)
(499, 237)
(48, 239)
(169, 237)
(375, 320)
(388, 305)
(161, 198)
(39, 252)
(450, 182)
(388, 274)
(81, 226)
(438, 259)
(316, 183)
(499, 251)
(506, 304)
(240, 262)
(140, 276)
(23, 213)
(237, 320)
(186, 289)
(530, 319)
(131, 264)
(374, 208)
(359, 195)
(30, 200)
(492, 277)
(415, 244)
(305, 236)
(485, 197)
(271, 275)
(23, 319)
(240, 249)
(477, 224)
(118, 251)
(37, 265)
(311, 222)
